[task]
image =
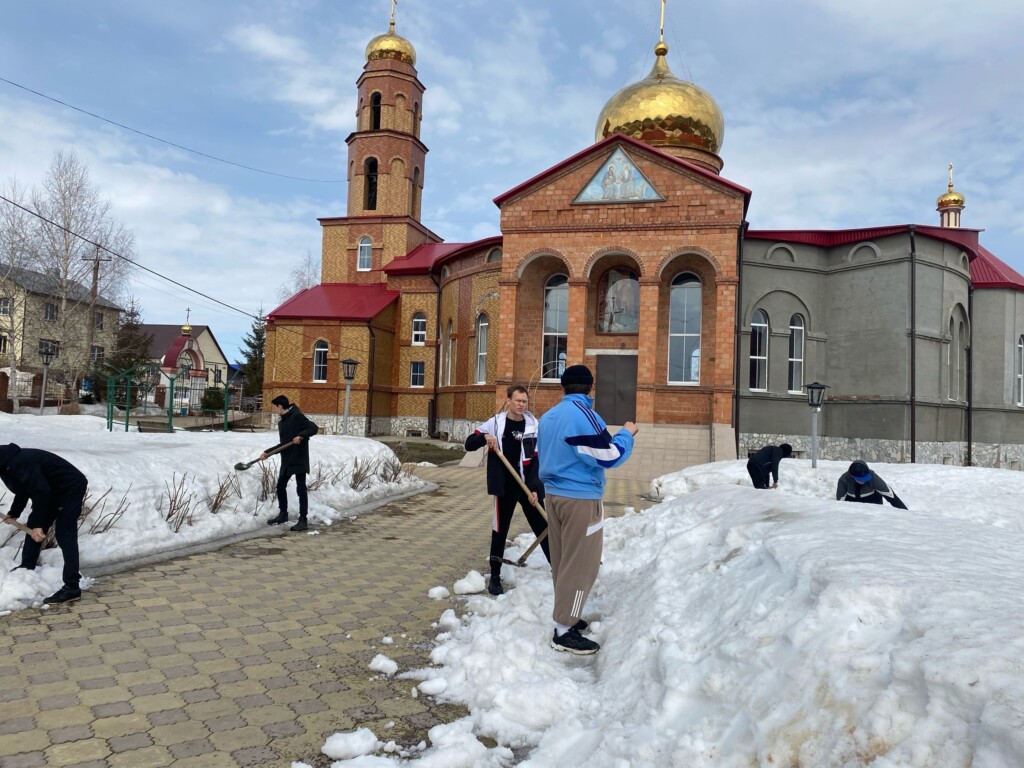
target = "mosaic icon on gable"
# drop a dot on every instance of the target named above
(618, 181)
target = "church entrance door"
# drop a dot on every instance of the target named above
(615, 390)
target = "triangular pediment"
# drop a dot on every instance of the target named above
(618, 180)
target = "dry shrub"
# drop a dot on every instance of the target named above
(180, 503)
(225, 487)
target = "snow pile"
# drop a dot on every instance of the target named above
(744, 627)
(140, 472)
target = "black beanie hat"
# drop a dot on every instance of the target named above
(787, 450)
(280, 400)
(577, 374)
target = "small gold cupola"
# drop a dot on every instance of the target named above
(949, 204)
(391, 45)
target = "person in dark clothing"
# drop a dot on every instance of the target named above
(292, 427)
(766, 462)
(57, 491)
(863, 485)
(514, 432)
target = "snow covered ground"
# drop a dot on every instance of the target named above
(754, 628)
(144, 470)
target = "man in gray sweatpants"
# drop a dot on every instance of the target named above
(574, 449)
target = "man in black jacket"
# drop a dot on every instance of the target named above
(292, 427)
(57, 491)
(514, 432)
(766, 462)
(863, 485)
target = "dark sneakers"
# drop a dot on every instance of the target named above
(301, 525)
(573, 642)
(581, 626)
(494, 586)
(64, 595)
(282, 517)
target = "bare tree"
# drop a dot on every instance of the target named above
(16, 251)
(70, 200)
(304, 275)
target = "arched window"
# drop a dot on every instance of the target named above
(555, 336)
(364, 263)
(1018, 384)
(414, 194)
(445, 271)
(618, 301)
(684, 330)
(449, 349)
(759, 351)
(320, 361)
(952, 358)
(375, 112)
(481, 349)
(419, 329)
(796, 354)
(370, 184)
(961, 362)
(494, 256)
(416, 119)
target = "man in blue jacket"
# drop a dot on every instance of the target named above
(574, 449)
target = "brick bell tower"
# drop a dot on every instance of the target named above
(385, 167)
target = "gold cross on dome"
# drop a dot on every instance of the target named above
(950, 175)
(393, 4)
(662, 38)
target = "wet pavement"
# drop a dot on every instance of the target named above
(251, 655)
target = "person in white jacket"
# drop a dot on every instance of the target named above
(514, 432)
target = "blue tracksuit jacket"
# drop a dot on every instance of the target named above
(574, 449)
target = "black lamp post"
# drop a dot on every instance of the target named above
(348, 370)
(46, 353)
(815, 397)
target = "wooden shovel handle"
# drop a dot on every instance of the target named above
(512, 471)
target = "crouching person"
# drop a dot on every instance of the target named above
(57, 491)
(863, 485)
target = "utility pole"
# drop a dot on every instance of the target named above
(91, 321)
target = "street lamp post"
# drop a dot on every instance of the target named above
(46, 353)
(815, 396)
(348, 370)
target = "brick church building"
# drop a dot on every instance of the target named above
(634, 257)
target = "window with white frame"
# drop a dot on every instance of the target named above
(96, 354)
(759, 351)
(217, 376)
(952, 358)
(417, 374)
(4, 349)
(50, 346)
(961, 351)
(50, 312)
(449, 348)
(1018, 384)
(684, 323)
(419, 329)
(481, 349)
(5, 306)
(320, 362)
(98, 321)
(364, 262)
(555, 334)
(494, 255)
(796, 354)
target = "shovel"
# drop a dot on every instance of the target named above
(242, 465)
(20, 526)
(521, 562)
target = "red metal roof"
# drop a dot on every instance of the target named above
(987, 270)
(423, 258)
(337, 301)
(602, 146)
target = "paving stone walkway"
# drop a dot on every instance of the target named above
(251, 655)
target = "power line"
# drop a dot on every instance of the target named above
(158, 274)
(170, 143)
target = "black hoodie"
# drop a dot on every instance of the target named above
(40, 476)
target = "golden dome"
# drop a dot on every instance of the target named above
(391, 46)
(951, 199)
(663, 110)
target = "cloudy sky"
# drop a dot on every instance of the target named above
(837, 115)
